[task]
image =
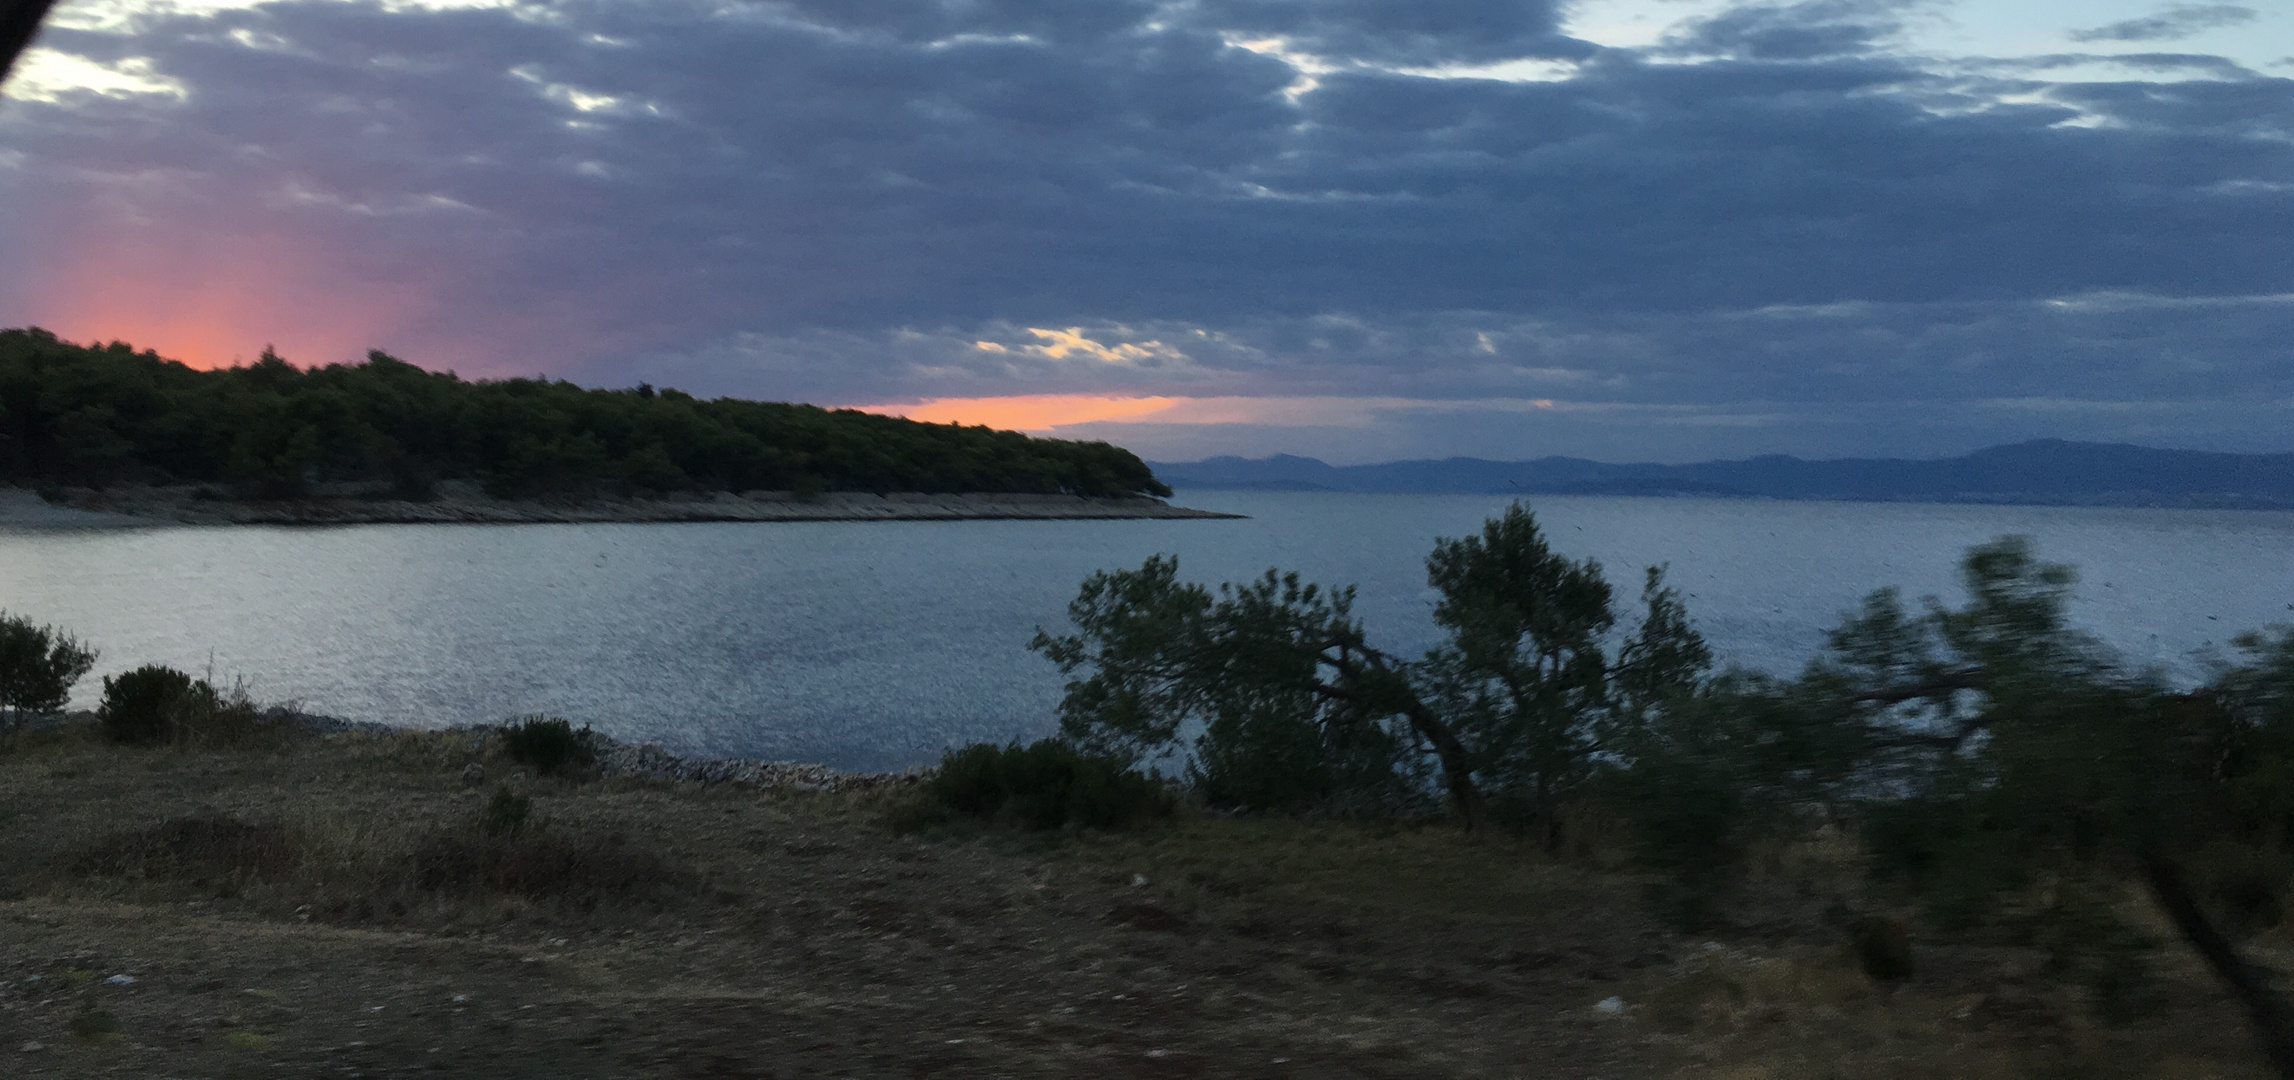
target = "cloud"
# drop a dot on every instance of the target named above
(2179, 21)
(1814, 29)
(1777, 212)
(1417, 33)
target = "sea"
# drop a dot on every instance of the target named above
(877, 645)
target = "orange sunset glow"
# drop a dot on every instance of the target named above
(1027, 412)
(1044, 412)
(216, 303)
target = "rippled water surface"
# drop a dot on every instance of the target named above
(872, 644)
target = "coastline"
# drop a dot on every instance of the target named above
(464, 504)
(615, 758)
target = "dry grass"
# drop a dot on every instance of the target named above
(331, 907)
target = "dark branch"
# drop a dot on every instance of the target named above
(19, 24)
(2268, 1013)
(1935, 686)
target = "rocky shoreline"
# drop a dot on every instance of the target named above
(636, 761)
(651, 761)
(463, 504)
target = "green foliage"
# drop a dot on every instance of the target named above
(505, 813)
(1045, 785)
(1272, 693)
(93, 1025)
(1136, 630)
(551, 746)
(2000, 769)
(1524, 680)
(154, 704)
(95, 416)
(38, 667)
(581, 872)
(195, 848)
(1286, 707)
(2004, 771)
(149, 704)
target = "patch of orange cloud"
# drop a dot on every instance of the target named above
(1027, 412)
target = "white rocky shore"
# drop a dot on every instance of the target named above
(462, 503)
(651, 761)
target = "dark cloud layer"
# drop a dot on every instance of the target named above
(1772, 215)
(2179, 21)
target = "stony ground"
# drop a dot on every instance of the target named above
(732, 931)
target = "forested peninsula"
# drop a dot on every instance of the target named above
(107, 427)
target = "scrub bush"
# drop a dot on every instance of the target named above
(210, 847)
(150, 704)
(154, 704)
(580, 871)
(551, 746)
(1046, 785)
(505, 814)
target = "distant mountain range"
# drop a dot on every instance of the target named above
(2048, 471)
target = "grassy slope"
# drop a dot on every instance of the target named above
(811, 941)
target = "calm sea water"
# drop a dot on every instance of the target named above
(877, 644)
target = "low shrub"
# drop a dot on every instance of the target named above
(1883, 948)
(155, 704)
(1046, 785)
(541, 866)
(149, 704)
(505, 813)
(220, 847)
(93, 1025)
(551, 746)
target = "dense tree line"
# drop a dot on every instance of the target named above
(1993, 768)
(96, 416)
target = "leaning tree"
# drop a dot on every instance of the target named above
(19, 24)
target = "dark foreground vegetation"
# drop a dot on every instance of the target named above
(1964, 842)
(368, 904)
(1985, 769)
(101, 416)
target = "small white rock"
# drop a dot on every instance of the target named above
(1138, 881)
(33, 1047)
(1609, 1006)
(120, 980)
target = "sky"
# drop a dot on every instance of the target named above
(1361, 230)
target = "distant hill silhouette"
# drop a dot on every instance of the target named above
(2049, 471)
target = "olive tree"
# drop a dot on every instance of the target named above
(1272, 693)
(38, 666)
(1268, 689)
(2005, 770)
(1525, 676)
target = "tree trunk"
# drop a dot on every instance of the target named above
(19, 23)
(1457, 764)
(2266, 1010)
